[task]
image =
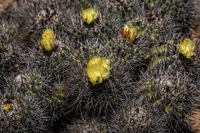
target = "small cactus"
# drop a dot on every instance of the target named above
(23, 113)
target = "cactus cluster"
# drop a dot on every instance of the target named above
(98, 66)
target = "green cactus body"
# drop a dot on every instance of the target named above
(26, 116)
(140, 83)
(87, 126)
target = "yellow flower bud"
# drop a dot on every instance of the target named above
(98, 69)
(48, 40)
(9, 107)
(132, 34)
(129, 33)
(187, 48)
(89, 15)
(125, 31)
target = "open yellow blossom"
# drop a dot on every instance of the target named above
(106, 63)
(187, 48)
(98, 69)
(48, 40)
(97, 73)
(9, 107)
(94, 60)
(89, 15)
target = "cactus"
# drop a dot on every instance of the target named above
(10, 51)
(136, 118)
(168, 91)
(176, 10)
(99, 99)
(23, 113)
(98, 66)
(87, 126)
(53, 93)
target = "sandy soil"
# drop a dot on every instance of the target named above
(5, 3)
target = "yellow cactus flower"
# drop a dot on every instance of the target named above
(132, 34)
(125, 31)
(94, 60)
(187, 48)
(98, 69)
(106, 63)
(48, 44)
(97, 73)
(48, 40)
(129, 33)
(89, 15)
(48, 33)
(9, 107)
